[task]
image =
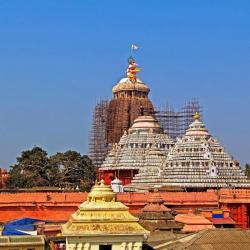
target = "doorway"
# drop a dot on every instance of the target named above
(105, 247)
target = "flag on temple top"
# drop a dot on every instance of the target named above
(134, 47)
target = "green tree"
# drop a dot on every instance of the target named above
(247, 170)
(75, 170)
(33, 168)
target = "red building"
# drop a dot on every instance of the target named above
(3, 177)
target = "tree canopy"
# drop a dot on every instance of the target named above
(34, 168)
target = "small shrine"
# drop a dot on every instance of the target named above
(103, 223)
(155, 216)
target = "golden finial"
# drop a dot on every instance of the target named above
(102, 182)
(196, 116)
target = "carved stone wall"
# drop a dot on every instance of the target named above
(121, 114)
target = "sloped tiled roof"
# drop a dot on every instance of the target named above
(217, 239)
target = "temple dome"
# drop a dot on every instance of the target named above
(126, 85)
(101, 193)
(147, 122)
(197, 128)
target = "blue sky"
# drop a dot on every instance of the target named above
(58, 58)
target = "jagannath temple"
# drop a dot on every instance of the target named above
(144, 157)
(168, 185)
(111, 118)
(130, 95)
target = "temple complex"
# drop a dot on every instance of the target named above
(111, 118)
(103, 223)
(197, 161)
(144, 145)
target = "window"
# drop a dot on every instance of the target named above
(105, 247)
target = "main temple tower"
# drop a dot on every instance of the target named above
(130, 99)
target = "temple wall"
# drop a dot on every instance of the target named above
(59, 206)
(238, 202)
(47, 212)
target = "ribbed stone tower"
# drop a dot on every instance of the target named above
(129, 98)
(196, 161)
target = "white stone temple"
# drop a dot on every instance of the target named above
(196, 161)
(145, 144)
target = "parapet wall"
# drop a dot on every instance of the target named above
(59, 206)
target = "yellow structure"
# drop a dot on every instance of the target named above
(102, 223)
(196, 116)
(22, 242)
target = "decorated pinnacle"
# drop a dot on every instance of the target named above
(132, 69)
(196, 116)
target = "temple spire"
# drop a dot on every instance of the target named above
(196, 116)
(132, 69)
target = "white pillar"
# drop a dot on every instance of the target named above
(79, 246)
(123, 246)
(130, 246)
(86, 246)
(137, 246)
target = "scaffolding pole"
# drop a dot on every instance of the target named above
(98, 146)
(175, 123)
